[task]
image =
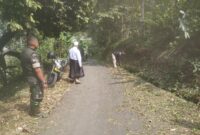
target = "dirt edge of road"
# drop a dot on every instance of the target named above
(164, 113)
(14, 117)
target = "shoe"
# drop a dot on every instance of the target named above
(77, 81)
(39, 115)
(71, 80)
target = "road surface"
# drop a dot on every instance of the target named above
(95, 107)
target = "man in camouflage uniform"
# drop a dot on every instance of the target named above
(34, 75)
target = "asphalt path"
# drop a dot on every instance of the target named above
(94, 107)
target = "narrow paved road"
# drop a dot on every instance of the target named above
(93, 108)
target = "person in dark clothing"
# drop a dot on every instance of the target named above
(116, 58)
(32, 70)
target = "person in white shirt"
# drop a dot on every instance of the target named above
(76, 70)
(116, 58)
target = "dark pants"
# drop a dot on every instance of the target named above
(118, 59)
(75, 70)
(37, 94)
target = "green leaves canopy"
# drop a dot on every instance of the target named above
(116, 20)
(47, 16)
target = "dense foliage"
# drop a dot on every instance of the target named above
(50, 17)
(52, 21)
(160, 39)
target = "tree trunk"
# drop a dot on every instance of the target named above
(7, 36)
(3, 70)
(142, 10)
(3, 78)
(142, 17)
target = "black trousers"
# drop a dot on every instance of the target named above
(75, 70)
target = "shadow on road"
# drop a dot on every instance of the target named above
(93, 62)
(134, 81)
(123, 82)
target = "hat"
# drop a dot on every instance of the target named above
(76, 43)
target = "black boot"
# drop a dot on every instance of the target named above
(35, 110)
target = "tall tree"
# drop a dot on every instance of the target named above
(48, 17)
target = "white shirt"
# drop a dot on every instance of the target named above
(75, 54)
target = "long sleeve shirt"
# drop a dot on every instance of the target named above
(75, 54)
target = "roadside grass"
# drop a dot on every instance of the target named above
(164, 112)
(190, 93)
(14, 107)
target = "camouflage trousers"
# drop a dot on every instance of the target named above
(36, 97)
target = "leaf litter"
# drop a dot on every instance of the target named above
(14, 117)
(163, 112)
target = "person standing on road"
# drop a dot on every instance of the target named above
(34, 75)
(116, 58)
(76, 69)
